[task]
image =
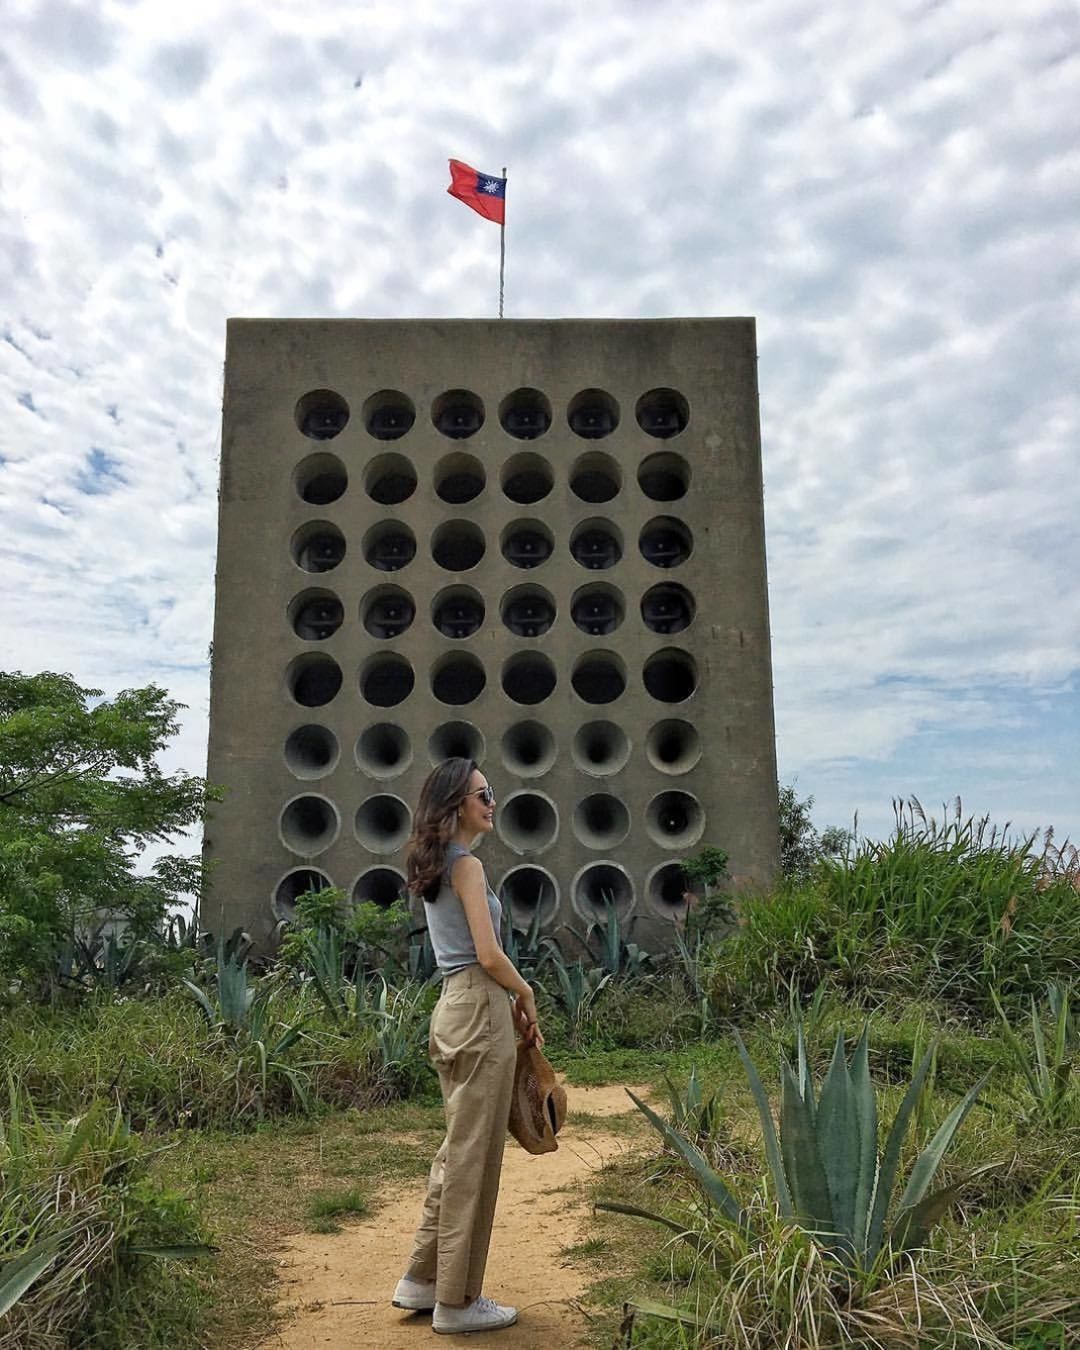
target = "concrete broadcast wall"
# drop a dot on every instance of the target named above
(478, 447)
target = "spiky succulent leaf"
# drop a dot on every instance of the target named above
(922, 1174)
(837, 1137)
(17, 1276)
(768, 1133)
(798, 1145)
(890, 1160)
(866, 1115)
(912, 1226)
(635, 1213)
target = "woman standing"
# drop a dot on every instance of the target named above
(473, 1047)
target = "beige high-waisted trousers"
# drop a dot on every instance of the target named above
(473, 1047)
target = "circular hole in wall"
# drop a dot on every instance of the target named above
(320, 479)
(316, 615)
(592, 414)
(595, 477)
(673, 746)
(457, 611)
(387, 611)
(459, 478)
(308, 825)
(670, 675)
(379, 885)
(596, 544)
(528, 611)
(662, 413)
(665, 542)
(383, 750)
(599, 677)
(458, 414)
(457, 545)
(528, 822)
(527, 543)
(529, 890)
(317, 546)
(599, 883)
(292, 886)
(456, 740)
(389, 546)
(383, 823)
(321, 414)
(527, 478)
(528, 677)
(601, 821)
(311, 751)
(667, 608)
(388, 414)
(313, 680)
(665, 889)
(600, 748)
(597, 609)
(526, 414)
(674, 819)
(389, 479)
(386, 680)
(458, 679)
(664, 477)
(528, 749)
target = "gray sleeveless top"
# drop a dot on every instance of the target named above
(449, 928)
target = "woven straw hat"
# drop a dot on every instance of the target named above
(538, 1106)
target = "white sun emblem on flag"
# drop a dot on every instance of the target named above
(489, 185)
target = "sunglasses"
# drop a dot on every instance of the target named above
(486, 794)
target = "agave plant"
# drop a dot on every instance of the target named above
(695, 1117)
(526, 948)
(577, 989)
(234, 991)
(1049, 1071)
(615, 954)
(827, 1174)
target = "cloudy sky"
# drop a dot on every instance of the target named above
(893, 190)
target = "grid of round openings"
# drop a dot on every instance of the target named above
(321, 479)
(382, 823)
(592, 414)
(308, 825)
(662, 413)
(527, 543)
(595, 477)
(670, 675)
(387, 612)
(311, 751)
(526, 478)
(383, 750)
(674, 819)
(318, 546)
(456, 740)
(665, 542)
(667, 889)
(458, 679)
(459, 478)
(597, 609)
(673, 746)
(600, 748)
(292, 886)
(525, 414)
(599, 678)
(528, 749)
(528, 822)
(532, 896)
(600, 886)
(596, 544)
(601, 821)
(457, 545)
(457, 612)
(316, 615)
(381, 885)
(390, 479)
(528, 678)
(313, 681)
(528, 611)
(389, 546)
(388, 415)
(667, 608)
(386, 681)
(664, 477)
(458, 414)
(321, 414)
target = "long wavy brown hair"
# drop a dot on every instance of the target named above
(434, 823)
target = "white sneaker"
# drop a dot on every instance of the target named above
(416, 1295)
(482, 1314)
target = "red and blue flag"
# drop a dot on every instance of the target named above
(484, 192)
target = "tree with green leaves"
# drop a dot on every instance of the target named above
(801, 846)
(81, 798)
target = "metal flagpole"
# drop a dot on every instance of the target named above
(502, 246)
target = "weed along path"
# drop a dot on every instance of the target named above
(335, 1288)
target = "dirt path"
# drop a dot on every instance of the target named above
(336, 1288)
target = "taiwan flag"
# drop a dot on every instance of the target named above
(481, 191)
